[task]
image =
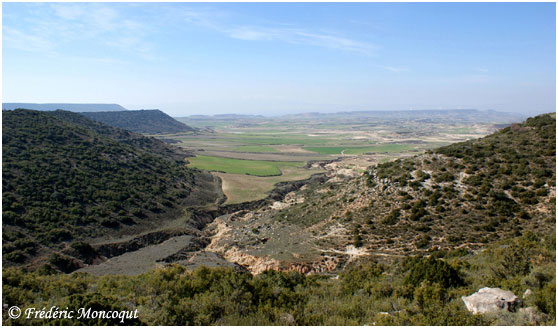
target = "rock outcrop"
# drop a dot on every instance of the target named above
(491, 300)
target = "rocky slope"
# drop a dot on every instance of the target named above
(462, 196)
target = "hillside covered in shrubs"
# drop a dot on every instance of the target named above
(424, 232)
(66, 178)
(411, 291)
(147, 121)
(464, 195)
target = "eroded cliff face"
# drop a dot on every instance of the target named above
(224, 237)
(263, 239)
(232, 249)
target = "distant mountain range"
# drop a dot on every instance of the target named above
(460, 115)
(225, 117)
(68, 107)
(428, 115)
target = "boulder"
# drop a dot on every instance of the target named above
(491, 300)
(527, 293)
(287, 319)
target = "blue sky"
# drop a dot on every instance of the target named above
(273, 58)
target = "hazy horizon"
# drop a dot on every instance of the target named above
(297, 113)
(282, 58)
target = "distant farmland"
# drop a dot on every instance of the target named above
(241, 166)
(252, 153)
(388, 148)
(255, 149)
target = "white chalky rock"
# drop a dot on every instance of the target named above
(491, 300)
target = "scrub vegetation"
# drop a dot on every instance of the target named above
(66, 178)
(398, 242)
(411, 291)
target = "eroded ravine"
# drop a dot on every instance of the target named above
(191, 244)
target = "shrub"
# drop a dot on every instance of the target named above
(431, 270)
(545, 299)
(392, 218)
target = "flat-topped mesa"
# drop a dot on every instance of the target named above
(148, 121)
(64, 106)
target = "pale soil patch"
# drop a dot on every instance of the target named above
(545, 207)
(339, 172)
(459, 184)
(290, 199)
(254, 264)
(350, 250)
(292, 149)
(140, 261)
(354, 252)
(293, 198)
(335, 231)
(222, 230)
(207, 259)
(279, 205)
(389, 255)
(220, 244)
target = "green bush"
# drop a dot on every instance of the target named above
(431, 270)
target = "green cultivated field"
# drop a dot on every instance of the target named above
(240, 166)
(388, 148)
(270, 139)
(275, 149)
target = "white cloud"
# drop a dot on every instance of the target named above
(68, 11)
(105, 18)
(250, 34)
(216, 20)
(336, 42)
(20, 40)
(298, 36)
(395, 69)
(57, 26)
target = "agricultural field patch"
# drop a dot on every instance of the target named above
(239, 188)
(255, 149)
(387, 148)
(240, 166)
